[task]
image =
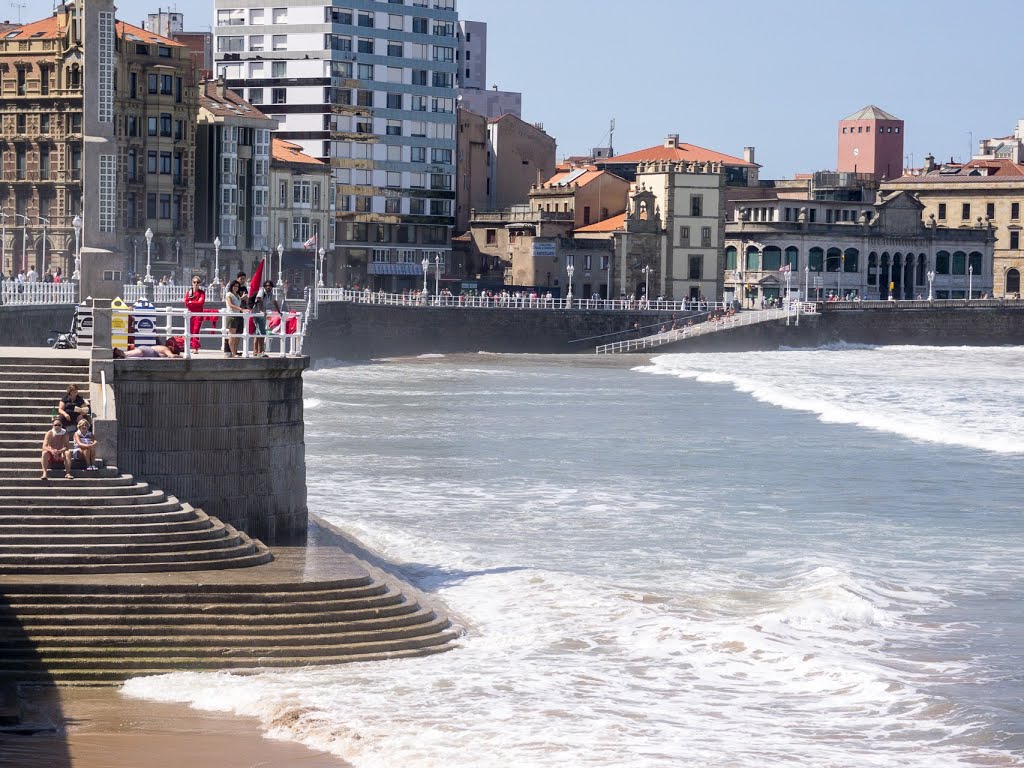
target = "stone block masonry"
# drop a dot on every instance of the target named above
(225, 435)
(29, 326)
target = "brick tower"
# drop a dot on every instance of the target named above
(871, 141)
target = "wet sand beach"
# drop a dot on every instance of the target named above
(101, 728)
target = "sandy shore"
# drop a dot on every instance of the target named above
(100, 728)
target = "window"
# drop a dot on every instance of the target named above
(44, 166)
(365, 19)
(339, 16)
(1014, 211)
(166, 85)
(440, 181)
(392, 205)
(417, 180)
(394, 128)
(279, 95)
(418, 103)
(44, 124)
(279, 16)
(442, 80)
(419, 77)
(230, 17)
(990, 210)
(1014, 240)
(394, 49)
(151, 126)
(364, 98)
(165, 162)
(440, 155)
(444, 53)
(965, 211)
(165, 124)
(684, 235)
(696, 271)
(232, 44)
(416, 206)
(152, 82)
(394, 101)
(179, 129)
(165, 206)
(133, 84)
(280, 42)
(696, 205)
(705, 237)
(255, 96)
(364, 45)
(419, 26)
(151, 205)
(440, 207)
(338, 43)
(417, 154)
(942, 263)
(257, 42)
(363, 204)
(393, 179)
(418, 128)
(21, 124)
(278, 69)
(942, 211)
(396, 22)
(364, 71)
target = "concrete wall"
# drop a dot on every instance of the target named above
(347, 331)
(29, 326)
(223, 435)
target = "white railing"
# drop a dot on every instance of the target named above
(14, 292)
(284, 335)
(512, 301)
(162, 294)
(712, 325)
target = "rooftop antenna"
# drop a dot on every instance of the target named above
(19, 6)
(611, 139)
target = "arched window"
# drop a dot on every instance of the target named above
(815, 259)
(1012, 281)
(942, 263)
(873, 268)
(852, 261)
(921, 259)
(793, 258)
(959, 263)
(730, 257)
(753, 258)
(974, 260)
(832, 260)
(771, 260)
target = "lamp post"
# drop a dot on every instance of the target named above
(216, 262)
(839, 283)
(931, 277)
(320, 281)
(77, 224)
(647, 283)
(280, 266)
(569, 270)
(807, 283)
(135, 260)
(148, 279)
(177, 256)
(426, 265)
(437, 276)
(46, 224)
(970, 281)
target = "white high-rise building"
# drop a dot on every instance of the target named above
(370, 86)
(471, 77)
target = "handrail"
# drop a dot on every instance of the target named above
(103, 388)
(516, 300)
(178, 322)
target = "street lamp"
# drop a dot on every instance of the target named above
(46, 224)
(320, 282)
(216, 262)
(569, 270)
(280, 267)
(77, 224)
(24, 241)
(426, 265)
(807, 283)
(931, 277)
(177, 256)
(647, 283)
(970, 281)
(839, 283)
(437, 276)
(148, 279)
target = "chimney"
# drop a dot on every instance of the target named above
(748, 154)
(929, 162)
(672, 141)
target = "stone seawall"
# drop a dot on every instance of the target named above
(30, 326)
(349, 331)
(223, 435)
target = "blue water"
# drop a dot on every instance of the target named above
(791, 558)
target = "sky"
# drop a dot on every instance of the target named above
(775, 75)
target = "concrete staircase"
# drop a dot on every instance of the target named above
(103, 578)
(101, 521)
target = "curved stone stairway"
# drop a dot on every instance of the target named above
(103, 577)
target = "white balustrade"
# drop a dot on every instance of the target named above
(14, 292)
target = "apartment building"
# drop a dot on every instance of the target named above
(370, 88)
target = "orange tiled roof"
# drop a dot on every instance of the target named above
(975, 172)
(590, 173)
(226, 104)
(287, 152)
(48, 29)
(680, 152)
(611, 224)
(126, 30)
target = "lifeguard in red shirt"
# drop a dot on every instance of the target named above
(195, 300)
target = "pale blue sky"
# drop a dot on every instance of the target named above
(775, 75)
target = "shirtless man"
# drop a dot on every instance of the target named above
(55, 449)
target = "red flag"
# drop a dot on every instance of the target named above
(257, 283)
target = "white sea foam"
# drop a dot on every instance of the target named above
(900, 390)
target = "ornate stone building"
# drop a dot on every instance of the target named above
(870, 251)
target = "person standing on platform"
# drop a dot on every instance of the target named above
(195, 300)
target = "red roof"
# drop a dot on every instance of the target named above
(48, 29)
(611, 224)
(223, 102)
(583, 176)
(286, 151)
(676, 153)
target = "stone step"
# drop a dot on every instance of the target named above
(46, 489)
(117, 672)
(235, 545)
(196, 520)
(140, 498)
(261, 556)
(216, 656)
(129, 544)
(203, 611)
(11, 402)
(202, 645)
(177, 515)
(215, 529)
(128, 505)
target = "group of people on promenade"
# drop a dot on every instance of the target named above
(70, 435)
(31, 276)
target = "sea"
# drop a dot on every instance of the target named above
(792, 558)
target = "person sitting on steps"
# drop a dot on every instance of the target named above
(85, 445)
(72, 407)
(55, 450)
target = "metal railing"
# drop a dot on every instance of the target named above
(512, 301)
(162, 294)
(285, 332)
(828, 306)
(711, 325)
(14, 292)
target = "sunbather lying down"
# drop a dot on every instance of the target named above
(158, 350)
